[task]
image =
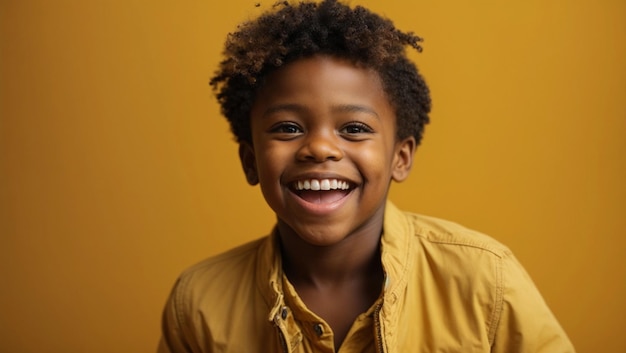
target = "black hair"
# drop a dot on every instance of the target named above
(292, 31)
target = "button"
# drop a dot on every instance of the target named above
(319, 329)
(283, 312)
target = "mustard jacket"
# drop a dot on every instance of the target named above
(448, 289)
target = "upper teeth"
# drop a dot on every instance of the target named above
(321, 184)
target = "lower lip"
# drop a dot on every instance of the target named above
(320, 209)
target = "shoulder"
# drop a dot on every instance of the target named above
(221, 273)
(216, 297)
(406, 227)
(447, 250)
(438, 251)
(464, 274)
(449, 234)
(436, 247)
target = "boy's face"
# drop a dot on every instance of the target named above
(324, 148)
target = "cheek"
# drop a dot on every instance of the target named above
(270, 161)
(374, 163)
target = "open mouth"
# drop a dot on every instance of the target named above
(320, 191)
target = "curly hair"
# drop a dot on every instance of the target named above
(290, 32)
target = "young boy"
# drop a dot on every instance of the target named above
(327, 111)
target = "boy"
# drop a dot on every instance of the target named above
(327, 111)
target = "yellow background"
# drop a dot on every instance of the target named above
(117, 171)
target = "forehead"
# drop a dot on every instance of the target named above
(319, 82)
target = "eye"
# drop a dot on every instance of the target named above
(286, 129)
(356, 128)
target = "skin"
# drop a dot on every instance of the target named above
(326, 118)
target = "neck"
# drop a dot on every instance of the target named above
(354, 258)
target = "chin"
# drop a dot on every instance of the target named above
(326, 236)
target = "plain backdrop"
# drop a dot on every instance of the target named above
(117, 170)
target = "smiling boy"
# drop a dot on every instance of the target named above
(328, 111)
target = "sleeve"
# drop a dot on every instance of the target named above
(174, 333)
(526, 324)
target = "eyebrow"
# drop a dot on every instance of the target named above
(355, 108)
(283, 107)
(341, 108)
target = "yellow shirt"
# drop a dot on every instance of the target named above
(447, 289)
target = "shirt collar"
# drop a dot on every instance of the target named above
(395, 250)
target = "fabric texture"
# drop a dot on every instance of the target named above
(447, 289)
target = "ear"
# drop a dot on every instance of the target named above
(248, 162)
(403, 159)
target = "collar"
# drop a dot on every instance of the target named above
(395, 249)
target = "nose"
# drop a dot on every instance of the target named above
(320, 147)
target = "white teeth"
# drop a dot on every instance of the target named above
(321, 184)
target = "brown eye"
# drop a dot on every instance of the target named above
(286, 128)
(356, 128)
(285, 131)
